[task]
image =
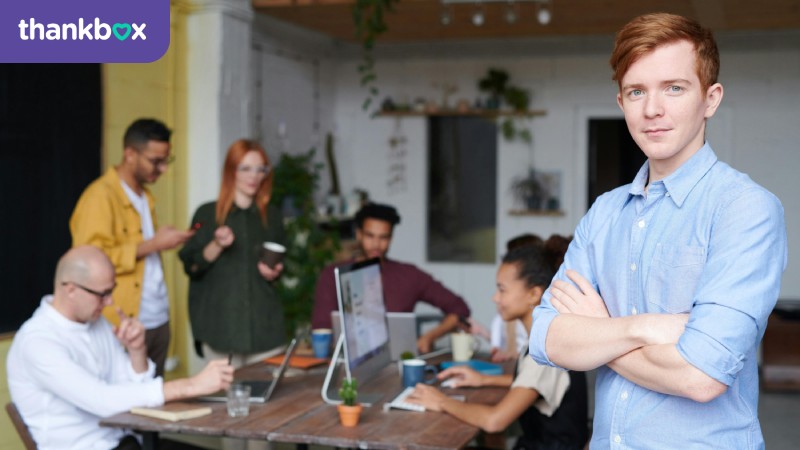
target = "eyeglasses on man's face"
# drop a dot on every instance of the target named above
(258, 170)
(102, 295)
(157, 162)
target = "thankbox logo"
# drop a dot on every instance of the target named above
(32, 30)
(99, 31)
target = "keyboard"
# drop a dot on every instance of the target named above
(399, 402)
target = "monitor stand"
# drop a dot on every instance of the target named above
(330, 395)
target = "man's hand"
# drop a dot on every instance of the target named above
(216, 376)
(424, 344)
(130, 332)
(583, 300)
(168, 237)
(224, 236)
(270, 274)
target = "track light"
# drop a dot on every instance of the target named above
(511, 14)
(478, 18)
(447, 15)
(543, 15)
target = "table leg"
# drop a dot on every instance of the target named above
(150, 440)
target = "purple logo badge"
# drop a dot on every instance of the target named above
(83, 31)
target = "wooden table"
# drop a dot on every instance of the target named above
(297, 414)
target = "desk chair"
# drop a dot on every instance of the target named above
(19, 424)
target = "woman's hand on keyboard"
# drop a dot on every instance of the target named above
(427, 396)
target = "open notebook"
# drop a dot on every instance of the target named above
(260, 391)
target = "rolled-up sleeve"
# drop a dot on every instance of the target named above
(739, 285)
(576, 258)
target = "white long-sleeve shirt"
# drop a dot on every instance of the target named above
(65, 376)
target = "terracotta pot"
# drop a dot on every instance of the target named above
(349, 415)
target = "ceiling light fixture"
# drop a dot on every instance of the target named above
(447, 15)
(511, 14)
(477, 17)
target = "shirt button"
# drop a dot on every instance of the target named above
(641, 224)
(634, 310)
(624, 395)
(617, 439)
(633, 267)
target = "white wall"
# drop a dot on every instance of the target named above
(757, 130)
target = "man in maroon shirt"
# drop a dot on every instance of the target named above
(403, 284)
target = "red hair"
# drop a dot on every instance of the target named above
(645, 33)
(227, 189)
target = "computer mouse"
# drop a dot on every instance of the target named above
(448, 383)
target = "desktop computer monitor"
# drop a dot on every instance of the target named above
(363, 318)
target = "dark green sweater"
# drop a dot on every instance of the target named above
(232, 307)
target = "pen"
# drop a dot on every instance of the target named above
(230, 358)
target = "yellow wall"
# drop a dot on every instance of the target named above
(131, 91)
(8, 435)
(158, 90)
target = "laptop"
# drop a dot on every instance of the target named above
(260, 391)
(402, 332)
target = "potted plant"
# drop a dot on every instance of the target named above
(529, 191)
(494, 83)
(404, 356)
(310, 247)
(349, 409)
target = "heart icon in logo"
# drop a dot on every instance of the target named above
(121, 26)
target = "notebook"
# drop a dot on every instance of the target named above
(173, 412)
(402, 332)
(260, 391)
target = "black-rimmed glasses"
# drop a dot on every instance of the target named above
(104, 294)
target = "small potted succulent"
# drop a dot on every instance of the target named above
(349, 409)
(404, 356)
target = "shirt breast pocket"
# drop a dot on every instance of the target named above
(674, 274)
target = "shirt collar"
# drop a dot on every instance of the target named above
(683, 180)
(50, 312)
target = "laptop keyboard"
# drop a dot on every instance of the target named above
(400, 402)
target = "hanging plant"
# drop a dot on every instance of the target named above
(369, 20)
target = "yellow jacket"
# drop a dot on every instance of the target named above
(104, 217)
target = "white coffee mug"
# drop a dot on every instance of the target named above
(463, 346)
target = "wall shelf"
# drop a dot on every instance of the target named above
(488, 113)
(536, 212)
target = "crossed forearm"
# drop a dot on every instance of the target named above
(584, 343)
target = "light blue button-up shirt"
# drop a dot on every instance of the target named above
(706, 240)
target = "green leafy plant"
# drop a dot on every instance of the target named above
(349, 391)
(370, 22)
(406, 355)
(496, 84)
(309, 247)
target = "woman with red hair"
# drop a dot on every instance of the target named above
(233, 306)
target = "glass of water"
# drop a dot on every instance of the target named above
(238, 400)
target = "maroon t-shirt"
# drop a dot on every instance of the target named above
(403, 286)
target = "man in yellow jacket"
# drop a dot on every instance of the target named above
(117, 214)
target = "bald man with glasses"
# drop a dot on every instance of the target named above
(116, 213)
(68, 367)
